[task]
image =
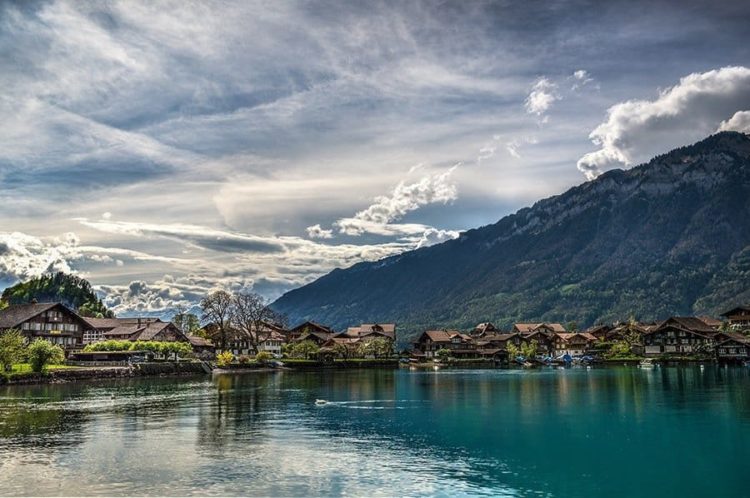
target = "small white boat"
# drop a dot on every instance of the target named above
(647, 363)
(320, 402)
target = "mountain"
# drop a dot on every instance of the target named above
(668, 237)
(74, 292)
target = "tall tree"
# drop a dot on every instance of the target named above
(188, 323)
(11, 348)
(252, 316)
(217, 311)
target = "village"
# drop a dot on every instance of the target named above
(87, 341)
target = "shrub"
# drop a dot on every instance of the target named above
(224, 359)
(243, 359)
(263, 356)
(42, 353)
(619, 350)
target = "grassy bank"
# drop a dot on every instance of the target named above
(64, 373)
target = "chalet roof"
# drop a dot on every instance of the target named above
(323, 336)
(744, 308)
(312, 325)
(198, 341)
(566, 336)
(526, 328)
(142, 332)
(16, 314)
(386, 329)
(732, 335)
(485, 327)
(445, 335)
(499, 336)
(102, 323)
(688, 323)
(710, 321)
(598, 329)
(123, 330)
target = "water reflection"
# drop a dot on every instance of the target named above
(485, 432)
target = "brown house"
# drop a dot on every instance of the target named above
(295, 333)
(732, 345)
(678, 336)
(573, 343)
(431, 341)
(51, 321)
(144, 329)
(385, 330)
(738, 317)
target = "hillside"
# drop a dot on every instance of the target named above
(74, 292)
(668, 237)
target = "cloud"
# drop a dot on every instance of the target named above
(639, 129)
(739, 122)
(198, 236)
(433, 236)
(377, 218)
(514, 145)
(24, 256)
(317, 232)
(581, 78)
(543, 94)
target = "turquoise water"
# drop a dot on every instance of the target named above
(576, 432)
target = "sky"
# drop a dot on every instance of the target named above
(166, 149)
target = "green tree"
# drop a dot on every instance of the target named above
(620, 349)
(513, 350)
(443, 354)
(11, 348)
(188, 323)
(342, 351)
(529, 349)
(42, 353)
(72, 291)
(305, 349)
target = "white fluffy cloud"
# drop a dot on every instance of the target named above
(739, 122)
(405, 197)
(318, 232)
(639, 129)
(24, 256)
(543, 94)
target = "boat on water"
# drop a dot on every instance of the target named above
(321, 402)
(647, 363)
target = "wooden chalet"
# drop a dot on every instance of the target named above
(431, 341)
(145, 329)
(51, 321)
(372, 330)
(239, 343)
(201, 345)
(573, 343)
(732, 346)
(738, 317)
(483, 329)
(678, 336)
(294, 334)
(600, 331)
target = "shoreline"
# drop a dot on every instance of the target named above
(64, 376)
(184, 369)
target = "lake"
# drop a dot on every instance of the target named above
(617, 431)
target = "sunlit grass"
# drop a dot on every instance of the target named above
(26, 368)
